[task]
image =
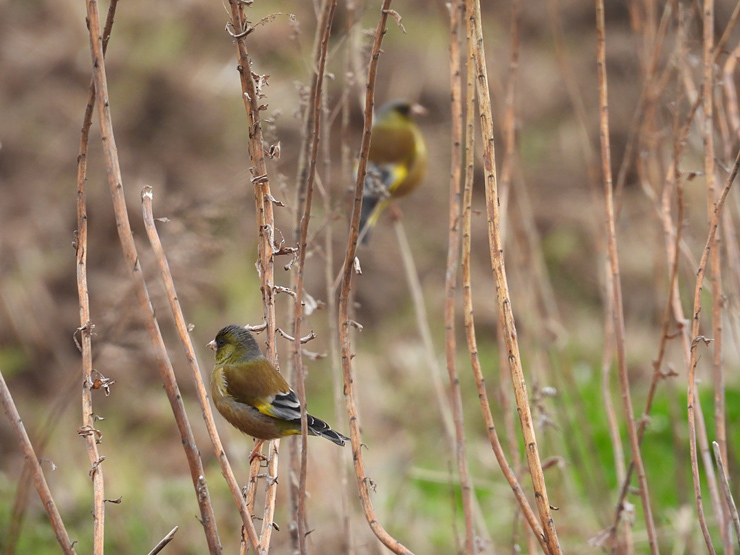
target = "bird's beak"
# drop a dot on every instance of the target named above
(419, 110)
(212, 345)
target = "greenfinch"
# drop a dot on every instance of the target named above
(253, 396)
(397, 160)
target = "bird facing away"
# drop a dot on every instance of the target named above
(397, 160)
(253, 396)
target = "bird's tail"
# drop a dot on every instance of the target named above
(378, 182)
(368, 208)
(320, 428)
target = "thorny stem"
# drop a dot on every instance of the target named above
(305, 198)
(506, 315)
(363, 482)
(86, 324)
(616, 279)
(453, 262)
(131, 256)
(147, 197)
(251, 94)
(38, 474)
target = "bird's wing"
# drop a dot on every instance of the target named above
(284, 405)
(258, 384)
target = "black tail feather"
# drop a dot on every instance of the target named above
(368, 207)
(320, 428)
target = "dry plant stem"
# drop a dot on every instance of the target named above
(606, 365)
(363, 482)
(164, 541)
(422, 323)
(715, 275)
(701, 431)
(24, 485)
(260, 181)
(129, 250)
(453, 259)
(509, 126)
(265, 225)
(89, 434)
(724, 480)
(475, 34)
(695, 340)
(343, 455)
(719, 48)
(38, 475)
(658, 362)
(731, 102)
(88, 421)
(268, 511)
(305, 198)
(200, 389)
(467, 211)
(645, 97)
(616, 279)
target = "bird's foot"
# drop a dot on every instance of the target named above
(255, 454)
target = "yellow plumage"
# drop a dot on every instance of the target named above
(253, 396)
(396, 163)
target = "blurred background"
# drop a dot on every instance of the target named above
(180, 127)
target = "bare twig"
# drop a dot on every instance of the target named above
(506, 315)
(715, 275)
(306, 179)
(658, 375)
(616, 279)
(128, 246)
(86, 325)
(467, 212)
(262, 195)
(453, 258)
(692, 395)
(38, 474)
(147, 197)
(723, 479)
(509, 119)
(164, 541)
(265, 227)
(344, 295)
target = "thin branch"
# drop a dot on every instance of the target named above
(724, 480)
(506, 315)
(265, 228)
(128, 246)
(467, 213)
(695, 340)
(363, 482)
(658, 375)
(307, 176)
(262, 195)
(715, 275)
(86, 324)
(619, 330)
(38, 474)
(147, 197)
(453, 261)
(164, 541)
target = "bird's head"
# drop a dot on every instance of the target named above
(401, 109)
(235, 344)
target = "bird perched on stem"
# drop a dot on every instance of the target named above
(397, 160)
(253, 396)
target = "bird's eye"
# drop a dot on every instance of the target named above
(220, 342)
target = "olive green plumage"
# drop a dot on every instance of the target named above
(252, 395)
(397, 160)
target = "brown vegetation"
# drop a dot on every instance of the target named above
(572, 250)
